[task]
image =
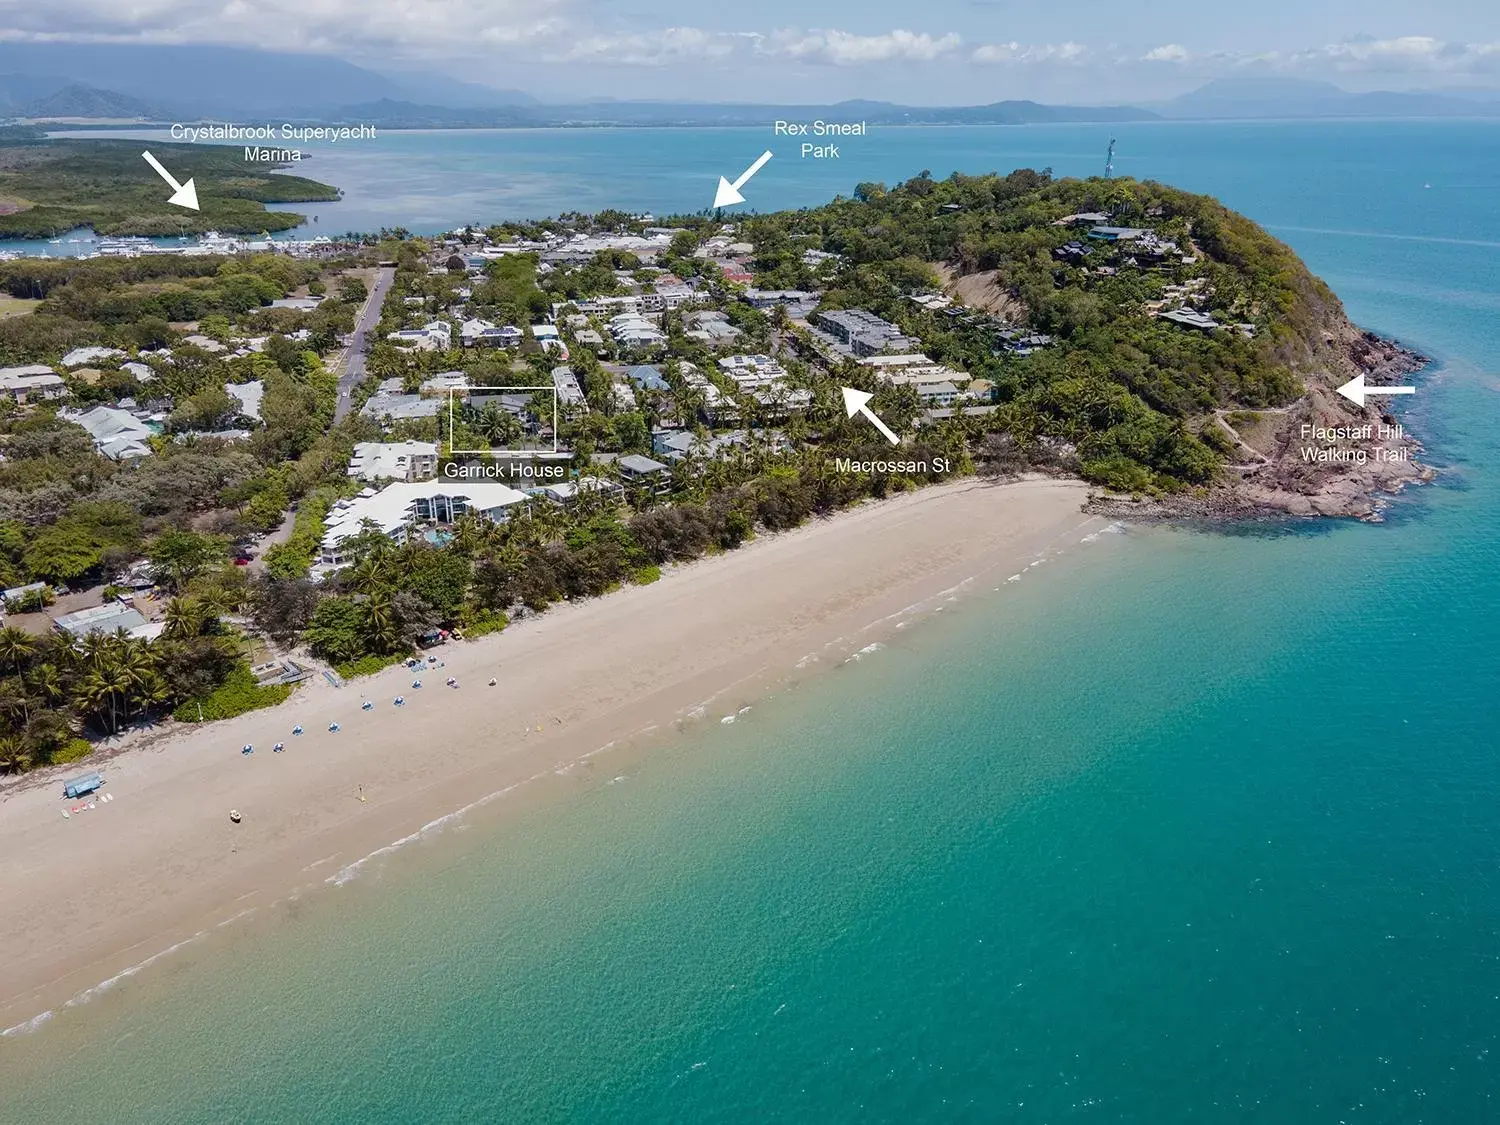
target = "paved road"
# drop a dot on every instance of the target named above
(354, 361)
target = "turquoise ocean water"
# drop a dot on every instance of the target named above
(1183, 827)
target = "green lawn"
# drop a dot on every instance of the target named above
(15, 306)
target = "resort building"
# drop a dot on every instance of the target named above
(1192, 318)
(681, 444)
(668, 297)
(399, 510)
(863, 333)
(624, 395)
(794, 299)
(935, 384)
(394, 460)
(118, 434)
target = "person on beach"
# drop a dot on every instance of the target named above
(297, 729)
(400, 701)
(278, 748)
(366, 705)
(333, 728)
(247, 749)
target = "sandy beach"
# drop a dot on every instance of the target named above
(87, 897)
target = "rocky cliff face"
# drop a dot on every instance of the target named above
(1332, 457)
(1323, 455)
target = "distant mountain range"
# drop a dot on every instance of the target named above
(85, 102)
(409, 115)
(169, 83)
(1276, 97)
(224, 83)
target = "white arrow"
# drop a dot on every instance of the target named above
(729, 193)
(858, 402)
(183, 195)
(1356, 391)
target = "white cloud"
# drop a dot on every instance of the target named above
(1168, 53)
(659, 48)
(433, 28)
(1407, 54)
(843, 48)
(505, 32)
(1031, 53)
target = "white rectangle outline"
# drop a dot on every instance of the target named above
(555, 452)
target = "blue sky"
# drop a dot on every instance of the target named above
(936, 51)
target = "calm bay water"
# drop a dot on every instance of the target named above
(1183, 827)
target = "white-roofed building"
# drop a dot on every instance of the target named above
(935, 383)
(635, 330)
(668, 297)
(394, 460)
(34, 381)
(385, 407)
(569, 393)
(80, 357)
(444, 382)
(434, 336)
(249, 396)
(483, 333)
(751, 372)
(567, 491)
(118, 434)
(109, 618)
(397, 508)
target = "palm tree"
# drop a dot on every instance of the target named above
(45, 681)
(94, 650)
(380, 618)
(95, 693)
(139, 669)
(214, 603)
(371, 573)
(185, 617)
(15, 757)
(15, 646)
(14, 704)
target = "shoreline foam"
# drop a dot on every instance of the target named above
(163, 866)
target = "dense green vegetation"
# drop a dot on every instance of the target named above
(60, 185)
(51, 687)
(1110, 392)
(1120, 388)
